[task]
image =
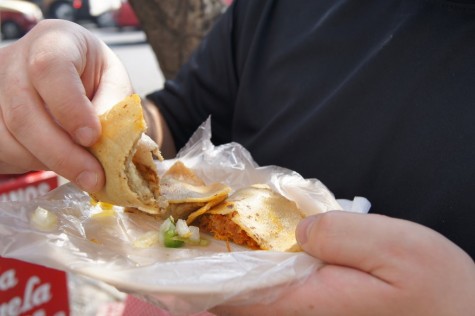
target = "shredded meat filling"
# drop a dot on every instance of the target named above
(223, 228)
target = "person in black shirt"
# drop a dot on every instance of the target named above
(373, 98)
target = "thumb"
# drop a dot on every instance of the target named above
(368, 242)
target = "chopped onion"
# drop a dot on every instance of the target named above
(44, 220)
(175, 235)
(167, 225)
(195, 234)
(182, 229)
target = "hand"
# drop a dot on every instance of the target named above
(53, 83)
(376, 265)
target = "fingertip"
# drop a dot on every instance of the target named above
(304, 228)
(89, 181)
(85, 171)
(89, 130)
(86, 136)
(91, 178)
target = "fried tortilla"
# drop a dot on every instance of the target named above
(187, 195)
(127, 157)
(255, 217)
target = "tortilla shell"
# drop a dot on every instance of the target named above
(187, 194)
(266, 217)
(126, 155)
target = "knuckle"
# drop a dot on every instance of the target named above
(47, 23)
(41, 62)
(16, 118)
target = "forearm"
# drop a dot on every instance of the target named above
(158, 129)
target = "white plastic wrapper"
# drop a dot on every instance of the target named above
(184, 280)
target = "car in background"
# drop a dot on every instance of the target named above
(99, 12)
(125, 16)
(102, 11)
(62, 9)
(18, 17)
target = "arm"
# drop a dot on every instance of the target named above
(158, 129)
(376, 265)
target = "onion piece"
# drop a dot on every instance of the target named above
(182, 229)
(44, 220)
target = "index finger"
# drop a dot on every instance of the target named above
(61, 74)
(34, 129)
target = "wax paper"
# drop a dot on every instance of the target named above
(184, 280)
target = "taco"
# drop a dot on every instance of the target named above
(127, 154)
(255, 217)
(187, 195)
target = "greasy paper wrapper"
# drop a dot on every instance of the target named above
(185, 280)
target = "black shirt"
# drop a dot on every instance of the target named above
(373, 98)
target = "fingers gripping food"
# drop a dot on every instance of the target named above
(126, 155)
(132, 181)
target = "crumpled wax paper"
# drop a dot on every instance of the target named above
(185, 280)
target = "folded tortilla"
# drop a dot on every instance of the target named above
(127, 157)
(187, 195)
(255, 217)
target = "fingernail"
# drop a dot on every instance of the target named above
(304, 227)
(87, 180)
(85, 136)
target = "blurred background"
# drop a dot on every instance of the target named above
(19, 16)
(113, 21)
(153, 38)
